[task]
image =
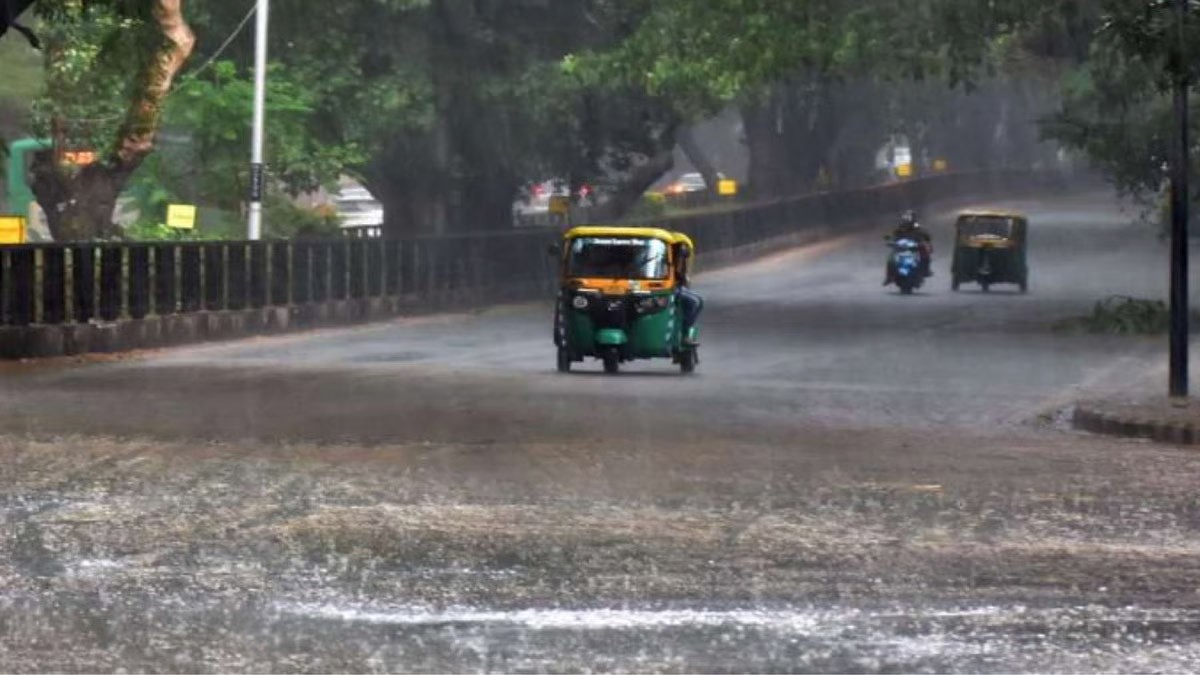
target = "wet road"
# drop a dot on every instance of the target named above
(853, 480)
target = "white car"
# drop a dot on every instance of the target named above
(358, 208)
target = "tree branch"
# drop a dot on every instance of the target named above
(136, 137)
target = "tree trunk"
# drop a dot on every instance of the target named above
(763, 124)
(80, 206)
(79, 203)
(686, 137)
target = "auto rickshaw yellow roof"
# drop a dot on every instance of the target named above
(681, 238)
(608, 231)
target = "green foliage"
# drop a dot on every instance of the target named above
(1117, 108)
(701, 54)
(284, 220)
(211, 112)
(456, 104)
(203, 157)
(91, 50)
(1123, 315)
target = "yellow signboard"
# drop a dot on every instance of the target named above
(560, 205)
(181, 216)
(904, 170)
(12, 230)
(727, 187)
(940, 165)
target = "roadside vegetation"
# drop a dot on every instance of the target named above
(1123, 315)
(446, 109)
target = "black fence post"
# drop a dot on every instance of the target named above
(391, 266)
(409, 266)
(22, 268)
(166, 298)
(320, 272)
(83, 282)
(139, 281)
(191, 292)
(338, 271)
(259, 250)
(376, 268)
(214, 277)
(281, 273)
(112, 296)
(358, 268)
(302, 273)
(54, 285)
(4, 284)
(235, 262)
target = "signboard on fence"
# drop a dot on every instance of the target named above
(181, 216)
(12, 230)
(727, 187)
(904, 171)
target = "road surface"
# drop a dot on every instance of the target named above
(853, 480)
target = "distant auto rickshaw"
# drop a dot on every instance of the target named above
(990, 248)
(619, 297)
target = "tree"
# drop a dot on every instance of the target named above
(457, 105)
(94, 104)
(807, 72)
(1117, 107)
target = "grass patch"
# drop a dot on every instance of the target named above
(1123, 315)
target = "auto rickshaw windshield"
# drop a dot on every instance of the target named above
(618, 258)
(975, 226)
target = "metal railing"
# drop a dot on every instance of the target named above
(80, 283)
(54, 284)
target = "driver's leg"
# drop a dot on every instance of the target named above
(692, 305)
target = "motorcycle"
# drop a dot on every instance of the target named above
(905, 264)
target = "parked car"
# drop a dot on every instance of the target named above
(357, 207)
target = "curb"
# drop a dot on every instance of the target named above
(1097, 421)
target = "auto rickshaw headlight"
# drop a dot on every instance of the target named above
(579, 302)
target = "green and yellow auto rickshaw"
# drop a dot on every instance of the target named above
(619, 297)
(990, 249)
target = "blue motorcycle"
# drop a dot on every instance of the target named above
(904, 265)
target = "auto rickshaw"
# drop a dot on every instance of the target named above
(619, 297)
(990, 249)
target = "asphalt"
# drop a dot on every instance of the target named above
(853, 480)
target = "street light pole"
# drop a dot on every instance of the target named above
(1179, 217)
(257, 172)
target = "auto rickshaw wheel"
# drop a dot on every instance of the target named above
(1024, 285)
(687, 361)
(564, 360)
(612, 361)
(986, 286)
(954, 284)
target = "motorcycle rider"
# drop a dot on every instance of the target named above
(910, 228)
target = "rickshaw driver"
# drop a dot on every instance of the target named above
(691, 302)
(909, 228)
